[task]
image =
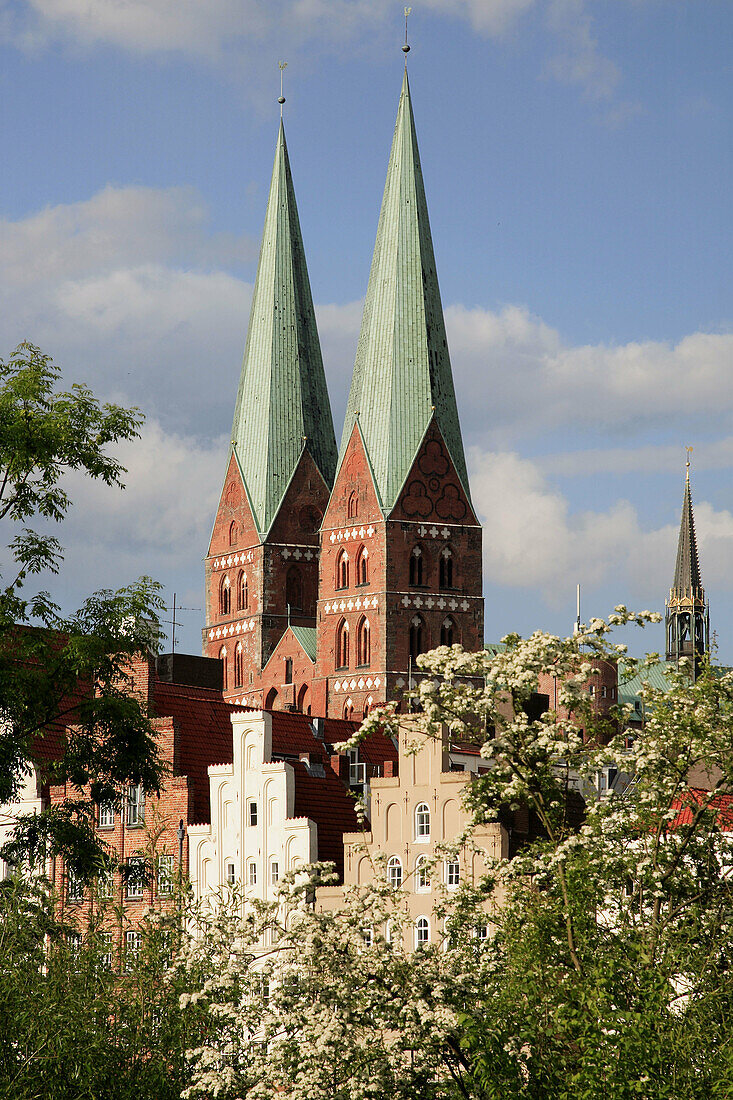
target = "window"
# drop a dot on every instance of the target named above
(388, 932)
(106, 950)
(135, 805)
(342, 644)
(394, 872)
(342, 570)
(74, 888)
(73, 942)
(233, 533)
(238, 666)
(422, 875)
(367, 937)
(422, 931)
(135, 878)
(446, 568)
(416, 566)
(417, 637)
(482, 932)
(252, 873)
(363, 644)
(252, 813)
(105, 886)
(274, 873)
(422, 821)
(133, 942)
(604, 691)
(362, 566)
(165, 876)
(446, 632)
(592, 691)
(348, 711)
(452, 873)
(230, 873)
(294, 589)
(242, 592)
(288, 670)
(353, 505)
(223, 659)
(225, 597)
(106, 818)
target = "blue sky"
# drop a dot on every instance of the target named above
(577, 158)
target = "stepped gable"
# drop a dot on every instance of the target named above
(402, 374)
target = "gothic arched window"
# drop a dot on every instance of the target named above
(238, 666)
(446, 567)
(242, 592)
(353, 505)
(225, 597)
(417, 566)
(447, 632)
(362, 566)
(294, 588)
(342, 644)
(417, 636)
(342, 570)
(223, 659)
(363, 642)
(348, 711)
(233, 533)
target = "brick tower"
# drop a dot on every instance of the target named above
(687, 615)
(400, 569)
(262, 563)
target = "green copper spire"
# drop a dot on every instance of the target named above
(402, 376)
(282, 403)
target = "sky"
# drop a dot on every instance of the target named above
(577, 162)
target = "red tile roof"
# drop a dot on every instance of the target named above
(694, 797)
(293, 733)
(327, 802)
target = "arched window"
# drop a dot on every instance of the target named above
(446, 567)
(342, 644)
(417, 636)
(238, 666)
(342, 570)
(447, 632)
(422, 931)
(367, 708)
(223, 659)
(394, 872)
(233, 533)
(294, 588)
(363, 642)
(348, 711)
(353, 505)
(417, 566)
(242, 591)
(288, 670)
(225, 597)
(422, 821)
(270, 699)
(422, 875)
(362, 566)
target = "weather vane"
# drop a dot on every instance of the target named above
(406, 47)
(689, 452)
(283, 66)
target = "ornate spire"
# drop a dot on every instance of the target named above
(402, 375)
(687, 618)
(282, 403)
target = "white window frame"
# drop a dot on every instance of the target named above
(135, 890)
(422, 875)
(422, 931)
(106, 940)
(252, 873)
(106, 816)
(394, 872)
(133, 943)
(274, 872)
(230, 872)
(135, 806)
(452, 873)
(422, 823)
(165, 875)
(74, 888)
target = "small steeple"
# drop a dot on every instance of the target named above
(687, 613)
(402, 375)
(282, 403)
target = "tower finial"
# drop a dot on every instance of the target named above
(281, 99)
(689, 452)
(406, 47)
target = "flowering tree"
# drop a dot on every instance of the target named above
(607, 968)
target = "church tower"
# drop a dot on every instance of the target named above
(400, 569)
(262, 563)
(687, 616)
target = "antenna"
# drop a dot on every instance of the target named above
(576, 628)
(406, 47)
(282, 66)
(174, 622)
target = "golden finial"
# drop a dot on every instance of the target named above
(283, 66)
(689, 452)
(406, 47)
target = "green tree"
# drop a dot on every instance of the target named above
(607, 971)
(64, 677)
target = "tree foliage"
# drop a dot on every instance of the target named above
(65, 701)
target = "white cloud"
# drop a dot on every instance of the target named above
(532, 539)
(712, 455)
(580, 61)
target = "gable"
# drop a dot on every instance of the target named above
(354, 476)
(300, 512)
(432, 490)
(233, 507)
